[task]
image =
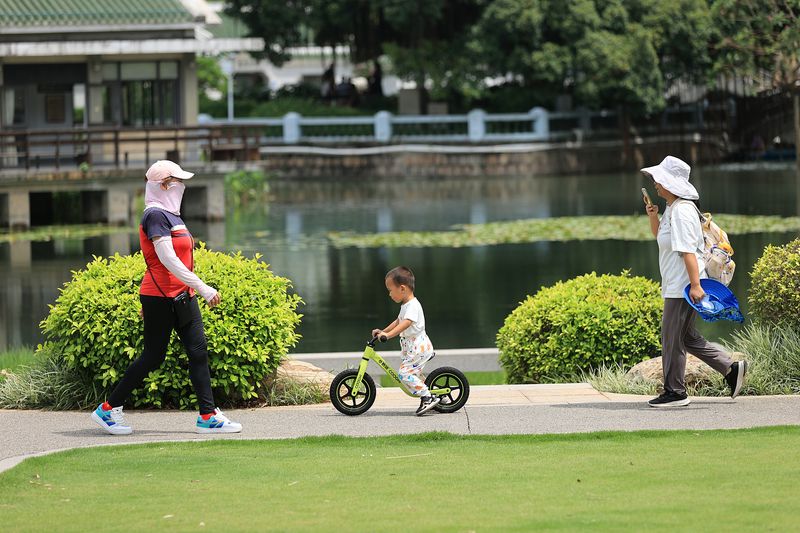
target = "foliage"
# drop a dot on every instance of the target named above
(581, 324)
(95, 326)
(774, 296)
(16, 358)
(245, 186)
(49, 383)
(210, 75)
(773, 355)
(278, 107)
(758, 36)
(602, 53)
(551, 229)
(760, 39)
(49, 233)
(285, 391)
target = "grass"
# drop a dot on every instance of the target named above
(773, 355)
(16, 358)
(47, 384)
(580, 482)
(475, 378)
(629, 228)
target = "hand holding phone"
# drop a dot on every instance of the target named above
(646, 197)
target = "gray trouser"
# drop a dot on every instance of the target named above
(678, 335)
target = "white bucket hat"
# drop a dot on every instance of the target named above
(673, 174)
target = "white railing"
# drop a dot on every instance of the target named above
(477, 126)
(385, 127)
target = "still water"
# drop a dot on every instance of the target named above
(466, 292)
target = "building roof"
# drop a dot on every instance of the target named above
(229, 27)
(65, 13)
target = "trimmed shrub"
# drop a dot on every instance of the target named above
(95, 326)
(774, 296)
(581, 324)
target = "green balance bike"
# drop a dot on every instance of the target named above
(353, 391)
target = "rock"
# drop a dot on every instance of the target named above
(302, 372)
(696, 370)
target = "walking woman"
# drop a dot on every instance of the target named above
(168, 301)
(680, 258)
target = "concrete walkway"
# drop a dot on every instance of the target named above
(492, 410)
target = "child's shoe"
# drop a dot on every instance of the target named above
(217, 423)
(427, 403)
(111, 420)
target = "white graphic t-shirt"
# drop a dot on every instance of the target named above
(412, 310)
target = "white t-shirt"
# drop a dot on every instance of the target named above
(412, 310)
(679, 232)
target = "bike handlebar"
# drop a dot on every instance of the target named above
(382, 338)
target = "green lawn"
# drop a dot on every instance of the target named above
(744, 480)
(475, 378)
(15, 358)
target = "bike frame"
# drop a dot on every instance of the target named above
(371, 355)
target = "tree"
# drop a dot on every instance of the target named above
(762, 37)
(421, 37)
(605, 53)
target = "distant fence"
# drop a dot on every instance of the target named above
(240, 140)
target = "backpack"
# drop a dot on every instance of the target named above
(717, 249)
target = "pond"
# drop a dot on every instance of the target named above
(466, 292)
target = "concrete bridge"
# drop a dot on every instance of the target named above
(106, 196)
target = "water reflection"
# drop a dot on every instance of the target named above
(467, 292)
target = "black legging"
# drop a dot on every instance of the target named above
(159, 321)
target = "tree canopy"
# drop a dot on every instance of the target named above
(604, 53)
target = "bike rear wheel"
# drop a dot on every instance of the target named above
(456, 381)
(342, 397)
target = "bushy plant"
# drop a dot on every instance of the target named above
(95, 326)
(774, 296)
(245, 186)
(581, 324)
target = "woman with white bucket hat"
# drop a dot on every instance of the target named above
(679, 235)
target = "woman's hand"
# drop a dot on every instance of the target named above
(214, 301)
(696, 293)
(652, 210)
(376, 332)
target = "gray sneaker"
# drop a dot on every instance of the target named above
(427, 403)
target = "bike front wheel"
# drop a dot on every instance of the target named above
(342, 396)
(456, 381)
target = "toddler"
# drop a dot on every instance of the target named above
(416, 348)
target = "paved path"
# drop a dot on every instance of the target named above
(492, 409)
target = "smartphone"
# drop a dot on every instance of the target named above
(646, 197)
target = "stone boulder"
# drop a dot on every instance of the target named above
(302, 372)
(696, 370)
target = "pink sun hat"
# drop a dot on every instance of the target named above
(163, 169)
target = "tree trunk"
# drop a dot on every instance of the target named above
(423, 94)
(796, 102)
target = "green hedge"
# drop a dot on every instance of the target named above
(774, 296)
(95, 326)
(579, 325)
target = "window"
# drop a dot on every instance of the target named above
(141, 93)
(54, 108)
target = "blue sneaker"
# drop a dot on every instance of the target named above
(112, 420)
(217, 423)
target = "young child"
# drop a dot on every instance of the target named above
(415, 347)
